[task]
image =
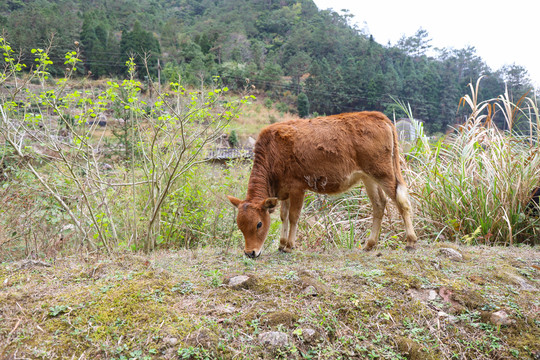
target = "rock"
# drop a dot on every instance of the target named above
(310, 291)
(238, 280)
(274, 338)
(29, 263)
(170, 353)
(451, 318)
(500, 318)
(423, 295)
(251, 141)
(202, 337)
(172, 341)
(452, 254)
(310, 273)
(241, 282)
(524, 284)
(307, 335)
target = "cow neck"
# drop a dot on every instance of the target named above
(259, 183)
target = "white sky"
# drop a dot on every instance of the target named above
(502, 31)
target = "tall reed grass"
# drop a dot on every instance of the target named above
(474, 185)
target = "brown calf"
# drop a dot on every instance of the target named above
(327, 155)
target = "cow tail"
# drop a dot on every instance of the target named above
(397, 165)
(402, 194)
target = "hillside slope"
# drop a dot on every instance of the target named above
(283, 47)
(387, 304)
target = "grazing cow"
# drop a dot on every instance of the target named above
(327, 155)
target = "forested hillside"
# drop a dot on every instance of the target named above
(285, 48)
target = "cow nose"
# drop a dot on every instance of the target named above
(250, 254)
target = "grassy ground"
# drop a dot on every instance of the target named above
(387, 304)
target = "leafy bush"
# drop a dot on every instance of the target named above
(233, 138)
(107, 205)
(282, 107)
(268, 103)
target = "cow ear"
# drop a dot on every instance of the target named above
(236, 202)
(270, 204)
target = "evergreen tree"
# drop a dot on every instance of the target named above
(303, 105)
(99, 50)
(144, 46)
(297, 66)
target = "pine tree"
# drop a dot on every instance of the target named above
(143, 45)
(303, 105)
(98, 46)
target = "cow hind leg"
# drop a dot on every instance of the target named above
(404, 207)
(400, 196)
(378, 201)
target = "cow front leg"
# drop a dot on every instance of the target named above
(296, 201)
(284, 214)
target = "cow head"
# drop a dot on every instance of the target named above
(254, 221)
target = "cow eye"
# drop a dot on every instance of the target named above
(259, 224)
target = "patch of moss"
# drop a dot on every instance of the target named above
(400, 281)
(276, 318)
(126, 312)
(524, 336)
(469, 299)
(273, 285)
(321, 288)
(412, 350)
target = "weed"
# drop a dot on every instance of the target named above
(195, 353)
(215, 277)
(57, 310)
(186, 287)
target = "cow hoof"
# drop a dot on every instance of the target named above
(368, 248)
(285, 249)
(370, 245)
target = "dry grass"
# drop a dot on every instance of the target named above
(361, 305)
(256, 116)
(475, 184)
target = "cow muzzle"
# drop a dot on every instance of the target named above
(252, 254)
